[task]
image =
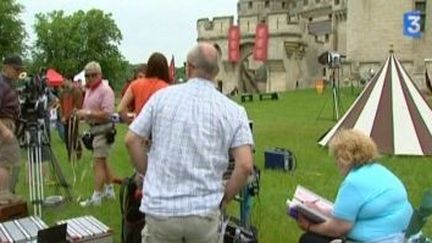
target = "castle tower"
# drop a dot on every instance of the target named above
(373, 26)
(285, 48)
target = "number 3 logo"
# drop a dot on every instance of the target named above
(414, 24)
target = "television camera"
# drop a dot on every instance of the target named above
(331, 59)
(33, 134)
(33, 95)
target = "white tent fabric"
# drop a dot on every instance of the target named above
(80, 77)
(392, 111)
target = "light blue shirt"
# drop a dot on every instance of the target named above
(193, 126)
(375, 201)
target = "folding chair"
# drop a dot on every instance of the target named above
(419, 219)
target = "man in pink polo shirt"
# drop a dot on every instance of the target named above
(97, 107)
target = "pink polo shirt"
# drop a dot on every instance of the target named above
(99, 99)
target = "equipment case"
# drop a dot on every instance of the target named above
(279, 158)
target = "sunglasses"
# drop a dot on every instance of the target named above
(90, 75)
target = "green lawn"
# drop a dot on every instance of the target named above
(293, 122)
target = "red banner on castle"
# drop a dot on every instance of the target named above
(172, 71)
(234, 44)
(261, 42)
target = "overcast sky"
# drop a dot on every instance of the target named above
(167, 26)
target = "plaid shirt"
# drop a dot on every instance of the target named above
(193, 126)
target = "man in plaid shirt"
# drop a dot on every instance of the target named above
(193, 128)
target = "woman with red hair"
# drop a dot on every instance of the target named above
(140, 90)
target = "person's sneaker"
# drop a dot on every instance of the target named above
(109, 192)
(91, 202)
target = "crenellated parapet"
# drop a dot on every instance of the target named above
(261, 8)
(280, 24)
(313, 8)
(214, 29)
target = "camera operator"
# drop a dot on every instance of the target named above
(9, 114)
(98, 105)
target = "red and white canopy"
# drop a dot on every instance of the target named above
(54, 78)
(392, 111)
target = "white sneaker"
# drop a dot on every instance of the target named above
(91, 202)
(109, 192)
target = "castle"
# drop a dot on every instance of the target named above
(301, 30)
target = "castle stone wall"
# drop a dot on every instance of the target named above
(281, 24)
(363, 30)
(248, 25)
(372, 28)
(375, 25)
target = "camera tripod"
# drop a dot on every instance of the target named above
(335, 93)
(35, 138)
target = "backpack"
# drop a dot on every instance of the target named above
(133, 220)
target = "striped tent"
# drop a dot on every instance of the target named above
(392, 112)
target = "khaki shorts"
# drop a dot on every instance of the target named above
(194, 229)
(100, 147)
(9, 153)
(9, 150)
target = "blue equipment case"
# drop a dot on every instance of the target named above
(279, 158)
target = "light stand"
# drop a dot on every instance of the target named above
(335, 83)
(333, 62)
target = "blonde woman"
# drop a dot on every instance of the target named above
(372, 203)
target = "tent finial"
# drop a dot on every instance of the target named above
(391, 50)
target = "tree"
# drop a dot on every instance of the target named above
(68, 42)
(180, 73)
(12, 32)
